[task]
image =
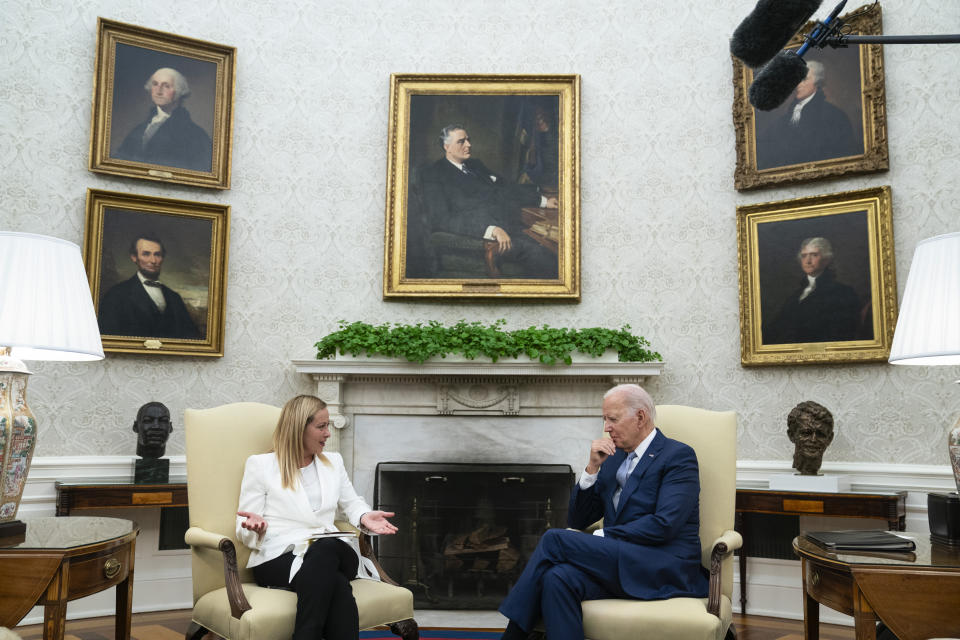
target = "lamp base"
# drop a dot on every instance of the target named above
(12, 533)
(943, 514)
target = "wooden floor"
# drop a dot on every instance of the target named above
(171, 625)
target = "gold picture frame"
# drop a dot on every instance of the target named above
(133, 83)
(852, 136)
(848, 311)
(178, 248)
(519, 173)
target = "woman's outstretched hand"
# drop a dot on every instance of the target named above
(376, 522)
(253, 522)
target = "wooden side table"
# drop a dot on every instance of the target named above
(75, 495)
(63, 559)
(890, 506)
(915, 594)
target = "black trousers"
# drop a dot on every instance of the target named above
(325, 605)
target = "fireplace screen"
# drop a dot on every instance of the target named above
(466, 530)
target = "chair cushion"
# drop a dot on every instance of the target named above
(676, 618)
(273, 610)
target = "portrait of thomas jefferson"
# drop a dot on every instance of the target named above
(815, 280)
(163, 109)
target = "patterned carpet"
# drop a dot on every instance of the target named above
(437, 634)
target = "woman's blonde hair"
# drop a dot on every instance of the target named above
(288, 436)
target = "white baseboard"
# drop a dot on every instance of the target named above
(163, 577)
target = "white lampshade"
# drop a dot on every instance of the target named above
(46, 310)
(928, 329)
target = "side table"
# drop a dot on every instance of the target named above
(914, 593)
(74, 495)
(63, 559)
(890, 506)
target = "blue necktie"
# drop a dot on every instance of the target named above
(622, 474)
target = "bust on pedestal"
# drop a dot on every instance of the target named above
(152, 427)
(810, 429)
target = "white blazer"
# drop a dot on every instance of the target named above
(290, 519)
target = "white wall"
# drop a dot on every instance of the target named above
(309, 177)
(309, 171)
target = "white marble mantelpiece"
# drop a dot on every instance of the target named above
(463, 411)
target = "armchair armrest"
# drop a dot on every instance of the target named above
(366, 549)
(197, 537)
(728, 542)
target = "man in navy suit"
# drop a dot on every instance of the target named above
(646, 487)
(142, 306)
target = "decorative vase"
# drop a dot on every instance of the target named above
(953, 443)
(18, 435)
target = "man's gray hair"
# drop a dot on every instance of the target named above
(826, 249)
(447, 130)
(635, 397)
(179, 82)
(816, 68)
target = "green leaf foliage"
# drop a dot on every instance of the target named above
(420, 342)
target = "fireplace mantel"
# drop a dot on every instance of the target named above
(375, 391)
(404, 370)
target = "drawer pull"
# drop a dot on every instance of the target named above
(111, 568)
(815, 578)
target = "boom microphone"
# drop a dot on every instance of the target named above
(777, 80)
(768, 28)
(779, 77)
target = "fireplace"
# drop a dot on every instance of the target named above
(506, 416)
(466, 530)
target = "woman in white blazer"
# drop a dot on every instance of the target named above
(287, 498)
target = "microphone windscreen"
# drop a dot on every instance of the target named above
(777, 80)
(769, 28)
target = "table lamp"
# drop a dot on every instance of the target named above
(928, 333)
(46, 313)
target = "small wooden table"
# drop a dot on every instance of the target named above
(915, 594)
(890, 506)
(75, 495)
(63, 559)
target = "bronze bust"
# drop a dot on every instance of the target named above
(810, 429)
(153, 428)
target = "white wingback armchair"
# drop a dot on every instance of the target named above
(226, 599)
(713, 435)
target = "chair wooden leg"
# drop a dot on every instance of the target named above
(195, 632)
(731, 632)
(406, 629)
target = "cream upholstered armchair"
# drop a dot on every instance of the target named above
(713, 435)
(226, 600)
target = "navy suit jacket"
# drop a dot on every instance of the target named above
(657, 520)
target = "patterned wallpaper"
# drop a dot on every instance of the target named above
(309, 176)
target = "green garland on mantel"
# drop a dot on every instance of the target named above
(419, 342)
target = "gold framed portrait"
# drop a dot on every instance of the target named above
(817, 279)
(158, 273)
(833, 124)
(483, 187)
(162, 106)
